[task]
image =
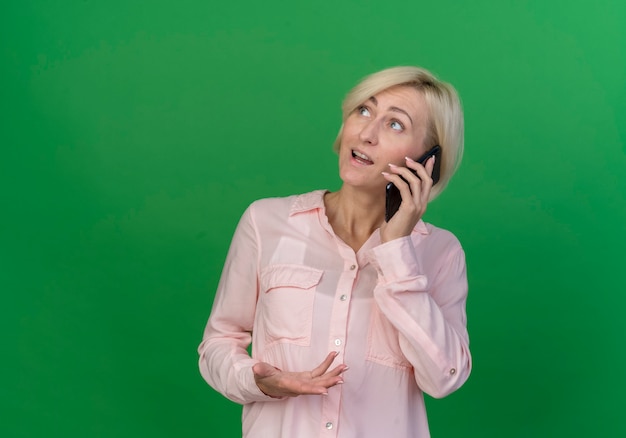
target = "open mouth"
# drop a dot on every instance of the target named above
(361, 158)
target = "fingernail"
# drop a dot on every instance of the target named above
(392, 165)
(409, 159)
(385, 173)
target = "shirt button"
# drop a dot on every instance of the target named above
(352, 267)
(337, 342)
(329, 425)
(452, 371)
(343, 297)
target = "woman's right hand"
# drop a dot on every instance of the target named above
(277, 383)
(415, 191)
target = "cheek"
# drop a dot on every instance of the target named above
(414, 152)
(348, 137)
(353, 125)
(411, 147)
(349, 129)
(398, 148)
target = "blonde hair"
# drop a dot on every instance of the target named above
(445, 113)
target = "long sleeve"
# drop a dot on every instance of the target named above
(427, 308)
(291, 291)
(224, 361)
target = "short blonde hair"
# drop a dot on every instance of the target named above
(445, 113)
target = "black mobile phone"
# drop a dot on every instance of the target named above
(393, 198)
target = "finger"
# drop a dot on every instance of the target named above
(309, 388)
(413, 177)
(330, 379)
(407, 193)
(406, 173)
(430, 165)
(337, 371)
(429, 185)
(323, 367)
(401, 178)
(424, 173)
(328, 383)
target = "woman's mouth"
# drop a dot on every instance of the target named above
(361, 158)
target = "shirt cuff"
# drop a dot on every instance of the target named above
(396, 261)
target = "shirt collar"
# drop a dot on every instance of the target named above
(307, 202)
(315, 200)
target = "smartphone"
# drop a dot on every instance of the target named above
(393, 198)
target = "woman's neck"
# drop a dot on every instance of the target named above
(354, 215)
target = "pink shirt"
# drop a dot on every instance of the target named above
(395, 312)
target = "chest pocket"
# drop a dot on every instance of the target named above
(286, 302)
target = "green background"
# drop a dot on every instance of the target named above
(134, 134)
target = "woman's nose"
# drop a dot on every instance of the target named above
(369, 133)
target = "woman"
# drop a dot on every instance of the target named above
(321, 282)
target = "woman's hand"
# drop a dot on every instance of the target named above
(415, 193)
(277, 383)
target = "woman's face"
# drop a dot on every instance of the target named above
(384, 129)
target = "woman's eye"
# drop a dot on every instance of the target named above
(364, 111)
(396, 125)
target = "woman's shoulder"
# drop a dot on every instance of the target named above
(290, 203)
(442, 237)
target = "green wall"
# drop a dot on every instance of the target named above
(134, 134)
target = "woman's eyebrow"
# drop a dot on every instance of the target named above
(393, 108)
(400, 110)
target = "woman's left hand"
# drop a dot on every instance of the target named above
(415, 193)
